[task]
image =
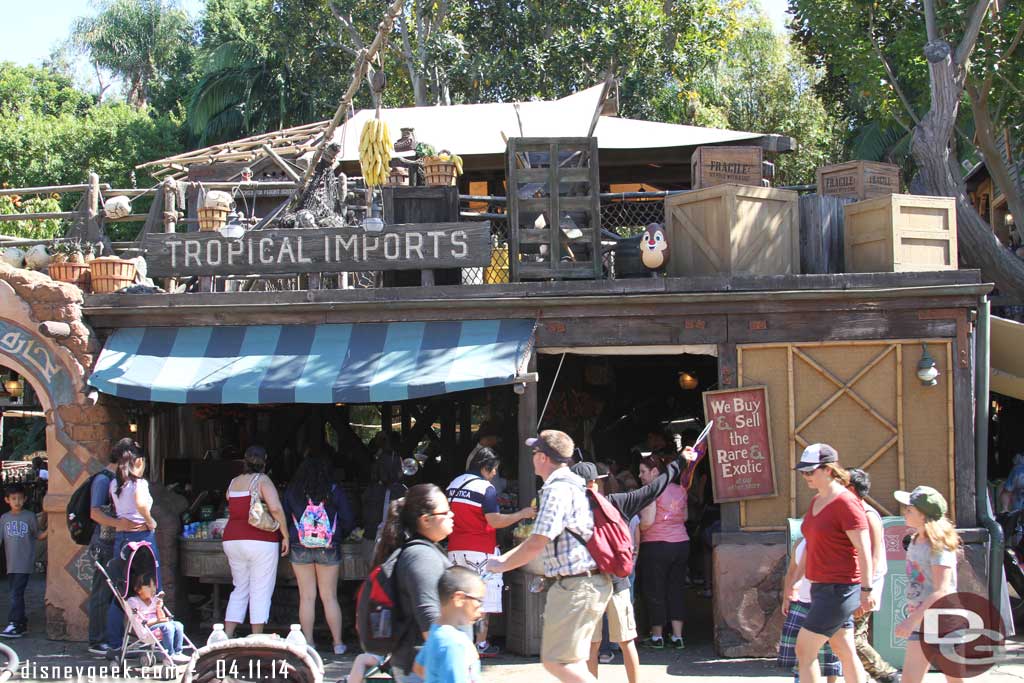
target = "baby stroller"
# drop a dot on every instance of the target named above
(138, 641)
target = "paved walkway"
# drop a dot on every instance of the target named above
(697, 662)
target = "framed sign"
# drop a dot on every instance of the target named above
(742, 466)
(422, 246)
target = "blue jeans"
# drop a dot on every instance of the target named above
(17, 584)
(117, 569)
(99, 594)
(172, 636)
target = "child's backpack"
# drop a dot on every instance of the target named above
(611, 544)
(380, 621)
(314, 526)
(79, 510)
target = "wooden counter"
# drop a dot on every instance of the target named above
(204, 559)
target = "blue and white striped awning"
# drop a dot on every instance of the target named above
(351, 363)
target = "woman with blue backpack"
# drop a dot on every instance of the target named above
(319, 519)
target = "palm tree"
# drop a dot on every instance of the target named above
(133, 39)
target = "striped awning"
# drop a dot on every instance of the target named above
(350, 363)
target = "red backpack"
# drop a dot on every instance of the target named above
(611, 544)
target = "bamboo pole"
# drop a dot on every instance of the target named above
(281, 163)
(792, 431)
(46, 189)
(901, 455)
(362, 62)
(37, 216)
(950, 436)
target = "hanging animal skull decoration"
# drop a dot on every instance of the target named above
(654, 249)
(117, 207)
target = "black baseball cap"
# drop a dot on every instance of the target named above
(815, 455)
(587, 471)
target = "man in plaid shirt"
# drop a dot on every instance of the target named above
(579, 592)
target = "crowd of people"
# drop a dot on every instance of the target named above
(600, 549)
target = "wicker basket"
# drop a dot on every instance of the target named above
(399, 176)
(110, 275)
(439, 172)
(68, 272)
(212, 219)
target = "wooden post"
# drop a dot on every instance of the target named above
(92, 210)
(728, 379)
(526, 426)
(386, 416)
(170, 219)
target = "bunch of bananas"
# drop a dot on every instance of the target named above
(375, 152)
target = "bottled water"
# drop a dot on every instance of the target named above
(218, 635)
(295, 636)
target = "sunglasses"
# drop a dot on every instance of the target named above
(440, 513)
(808, 473)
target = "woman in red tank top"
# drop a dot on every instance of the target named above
(252, 553)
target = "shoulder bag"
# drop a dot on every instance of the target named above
(259, 515)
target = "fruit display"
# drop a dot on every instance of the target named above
(446, 156)
(375, 152)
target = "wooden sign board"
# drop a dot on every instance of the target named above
(742, 466)
(711, 166)
(421, 246)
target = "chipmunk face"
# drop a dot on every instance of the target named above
(654, 249)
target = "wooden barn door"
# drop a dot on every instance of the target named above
(864, 399)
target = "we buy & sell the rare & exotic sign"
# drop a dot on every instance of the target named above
(740, 453)
(423, 246)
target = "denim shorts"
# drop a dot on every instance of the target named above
(322, 556)
(832, 607)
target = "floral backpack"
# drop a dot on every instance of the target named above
(314, 526)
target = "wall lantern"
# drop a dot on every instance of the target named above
(927, 372)
(14, 387)
(687, 381)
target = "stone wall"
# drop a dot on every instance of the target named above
(79, 430)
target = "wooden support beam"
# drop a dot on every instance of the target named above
(44, 216)
(526, 426)
(281, 163)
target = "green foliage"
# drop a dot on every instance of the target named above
(148, 43)
(36, 230)
(59, 141)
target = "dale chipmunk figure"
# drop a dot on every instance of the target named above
(654, 248)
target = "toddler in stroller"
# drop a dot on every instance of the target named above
(148, 608)
(150, 631)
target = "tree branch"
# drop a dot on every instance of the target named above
(931, 24)
(889, 70)
(970, 39)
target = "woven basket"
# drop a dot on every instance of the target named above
(110, 275)
(398, 176)
(212, 220)
(439, 172)
(68, 272)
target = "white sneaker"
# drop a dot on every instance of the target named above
(180, 658)
(12, 631)
(340, 649)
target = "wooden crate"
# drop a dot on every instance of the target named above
(554, 209)
(733, 229)
(900, 233)
(859, 179)
(711, 166)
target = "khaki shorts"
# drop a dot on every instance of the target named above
(572, 613)
(621, 619)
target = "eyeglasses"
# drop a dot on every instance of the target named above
(808, 473)
(474, 598)
(439, 513)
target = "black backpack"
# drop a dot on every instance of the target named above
(79, 510)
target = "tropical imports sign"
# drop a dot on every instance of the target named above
(741, 460)
(416, 246)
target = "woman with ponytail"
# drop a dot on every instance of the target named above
(416, 524)
(837, 563)
(931, 570)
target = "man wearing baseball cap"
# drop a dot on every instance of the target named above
(621, 621)
(579, 592)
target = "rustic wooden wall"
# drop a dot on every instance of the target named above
(864, 399)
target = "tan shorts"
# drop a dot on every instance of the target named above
(621, 619)
(572, 613)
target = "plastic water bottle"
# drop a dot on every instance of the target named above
(295, 636)
(218, 635)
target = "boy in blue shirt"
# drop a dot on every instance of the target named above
(449, 655)
(19, 531)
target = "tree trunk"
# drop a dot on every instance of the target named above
(939, 174)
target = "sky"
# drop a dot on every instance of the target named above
(41, 25)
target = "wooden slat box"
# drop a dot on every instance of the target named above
(733, 229)
(711, 166)
(859, 179)
(900, 233)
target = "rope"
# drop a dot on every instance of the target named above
(551, 391)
